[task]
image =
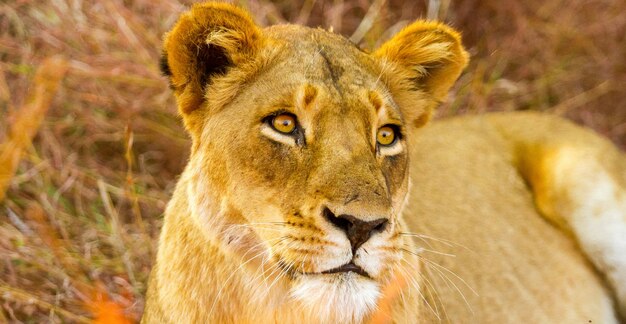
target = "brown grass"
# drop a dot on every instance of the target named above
(26, 121)
(79, 223)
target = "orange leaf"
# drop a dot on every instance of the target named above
(106, 311)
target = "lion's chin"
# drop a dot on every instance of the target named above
(336, 298)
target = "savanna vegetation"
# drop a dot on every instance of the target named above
(91, 144)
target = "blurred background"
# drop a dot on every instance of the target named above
(84, 199)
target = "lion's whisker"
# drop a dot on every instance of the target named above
(421, 249)
(281, 274)
(238, 269)
(273, 269)
(424, 237)
(282, 239)
(416, 287)
(434, 295)
(265, 223)
(451, 272)
(446, 279)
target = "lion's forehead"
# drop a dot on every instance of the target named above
(323, 56)
(306, 36)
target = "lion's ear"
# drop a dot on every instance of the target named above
(430, 56)
(205, 42)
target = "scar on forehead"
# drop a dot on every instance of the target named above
(375, 99)
(306, 95)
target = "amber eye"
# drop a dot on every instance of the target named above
(386, 136)
(284, 123)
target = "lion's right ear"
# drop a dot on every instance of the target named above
(425, 56)
(205, 42)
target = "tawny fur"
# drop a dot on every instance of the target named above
(245, 240)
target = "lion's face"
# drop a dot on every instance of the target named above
(299, 163)
(312, 156)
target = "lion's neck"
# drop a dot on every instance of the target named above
(200, 281)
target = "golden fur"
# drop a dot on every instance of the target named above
(253, 223)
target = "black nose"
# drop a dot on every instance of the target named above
(358, 231)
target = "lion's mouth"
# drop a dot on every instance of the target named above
(347, 268)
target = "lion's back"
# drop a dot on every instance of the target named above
(469, 199)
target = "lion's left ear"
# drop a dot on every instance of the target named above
(430, 55)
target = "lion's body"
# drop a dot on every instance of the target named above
(306, 225)
(470, 189)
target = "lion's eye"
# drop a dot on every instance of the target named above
(386, 136)
(284, 123)
(283, 127)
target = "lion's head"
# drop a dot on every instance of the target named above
(300, 154)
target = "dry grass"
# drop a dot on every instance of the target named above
(26, 121)
(79, 223)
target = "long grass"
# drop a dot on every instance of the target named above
(81, 216)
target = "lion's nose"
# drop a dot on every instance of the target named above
(357, 230)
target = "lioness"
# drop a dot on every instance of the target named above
(313, 190)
